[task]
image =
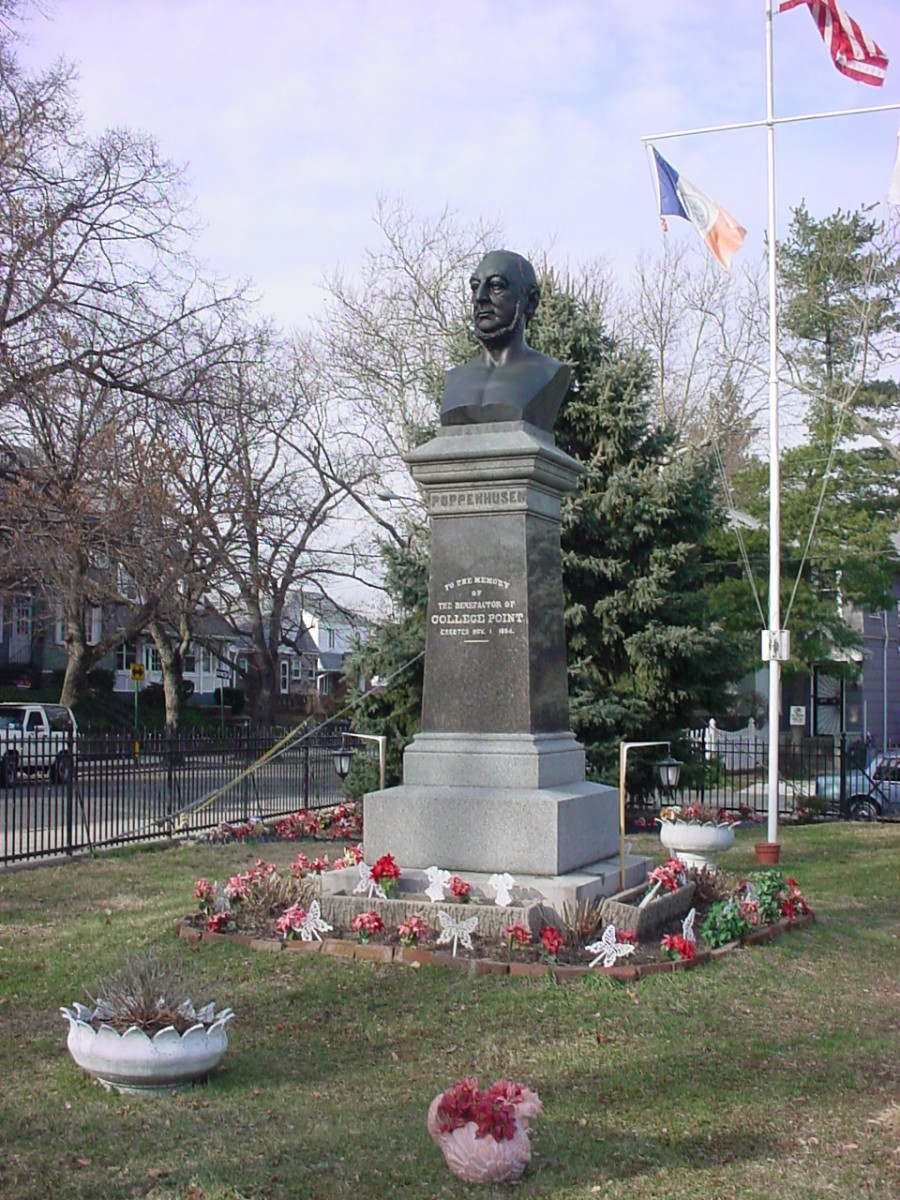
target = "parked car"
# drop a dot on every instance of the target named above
(872, 792)
(37, 737)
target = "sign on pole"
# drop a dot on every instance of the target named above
(137, 672)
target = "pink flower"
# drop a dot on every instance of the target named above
(218, 922)
(366, 924)
(300, 865)
(238, 887)
(413, 930)
(205, 892)
(627, 935)
(290, 920)
(318, 865)
(460, 889)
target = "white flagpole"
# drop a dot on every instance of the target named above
(772, 648)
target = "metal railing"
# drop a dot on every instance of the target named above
(125, 790)
(729, 771)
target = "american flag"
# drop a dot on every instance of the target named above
(854, 54)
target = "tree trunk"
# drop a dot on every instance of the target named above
(76, 670)
(172, 663)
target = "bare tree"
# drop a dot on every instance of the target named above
(704, 331)
(264, 467)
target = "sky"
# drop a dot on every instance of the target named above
(291, 117)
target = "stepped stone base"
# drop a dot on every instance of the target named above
(526, 831)
(536, 898)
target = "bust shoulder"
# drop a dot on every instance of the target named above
(529, 387)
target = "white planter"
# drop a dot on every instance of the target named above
(696, 845)
(134, 1062)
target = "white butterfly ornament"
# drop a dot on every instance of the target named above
(368, 885)
(608, 949)
(453, 931)
(313, 924)
(687, 928)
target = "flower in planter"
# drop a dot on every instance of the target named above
(793, 903)
(366, 924)
(352, 857)
(518, 936)
(291, 920)
(677, 946)
(221, 922)
(698, 814)
(483, 1134)
(459, 889)
(205, 893)
(414, 929)
(297, 922)
(628, 936)
(670, 876)
(300, 865)
(386, 873)
(319, 865)
(552, 941)
(237, 888)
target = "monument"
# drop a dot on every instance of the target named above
(495, 780)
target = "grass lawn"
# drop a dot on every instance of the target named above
(774, 1073)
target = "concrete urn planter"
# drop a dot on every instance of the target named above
(695, 844)
(134, 1061)
(484, 1159)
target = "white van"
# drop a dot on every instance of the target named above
(37, 737)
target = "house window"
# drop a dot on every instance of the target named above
(93, 625)
(206, 659)
(61, 628)
(22, 617)
(332, 638)
(285, 676)
(190, 662)
(124, 656)
(297, 668)
(151, 659)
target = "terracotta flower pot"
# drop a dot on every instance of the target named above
(767, 853)
(485, 1160)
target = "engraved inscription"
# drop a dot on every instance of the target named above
(477, 608)
(473, 498)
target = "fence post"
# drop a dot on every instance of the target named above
(305, 782)
(70, 795)
(844, 812)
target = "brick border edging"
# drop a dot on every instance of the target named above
(413, 956)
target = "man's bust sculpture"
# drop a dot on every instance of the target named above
(508, 381)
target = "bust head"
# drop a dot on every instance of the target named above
(505, 295)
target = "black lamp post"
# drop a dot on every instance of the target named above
(343, 760)
(669, 773)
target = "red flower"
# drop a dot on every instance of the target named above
(676, 945)
(627, 935)
(385, 868)
(552, 940)
(492, 1112)
(519, 934)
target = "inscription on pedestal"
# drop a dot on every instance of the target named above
(476, 609)
(475, 498)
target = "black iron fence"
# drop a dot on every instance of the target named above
(106, 790)
(729, 771)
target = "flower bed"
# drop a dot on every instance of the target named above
(684, 918)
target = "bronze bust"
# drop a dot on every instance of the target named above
(508, 381)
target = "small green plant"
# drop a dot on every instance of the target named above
(726, 922)
(770, 889)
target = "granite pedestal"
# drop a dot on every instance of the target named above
(495, 780)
